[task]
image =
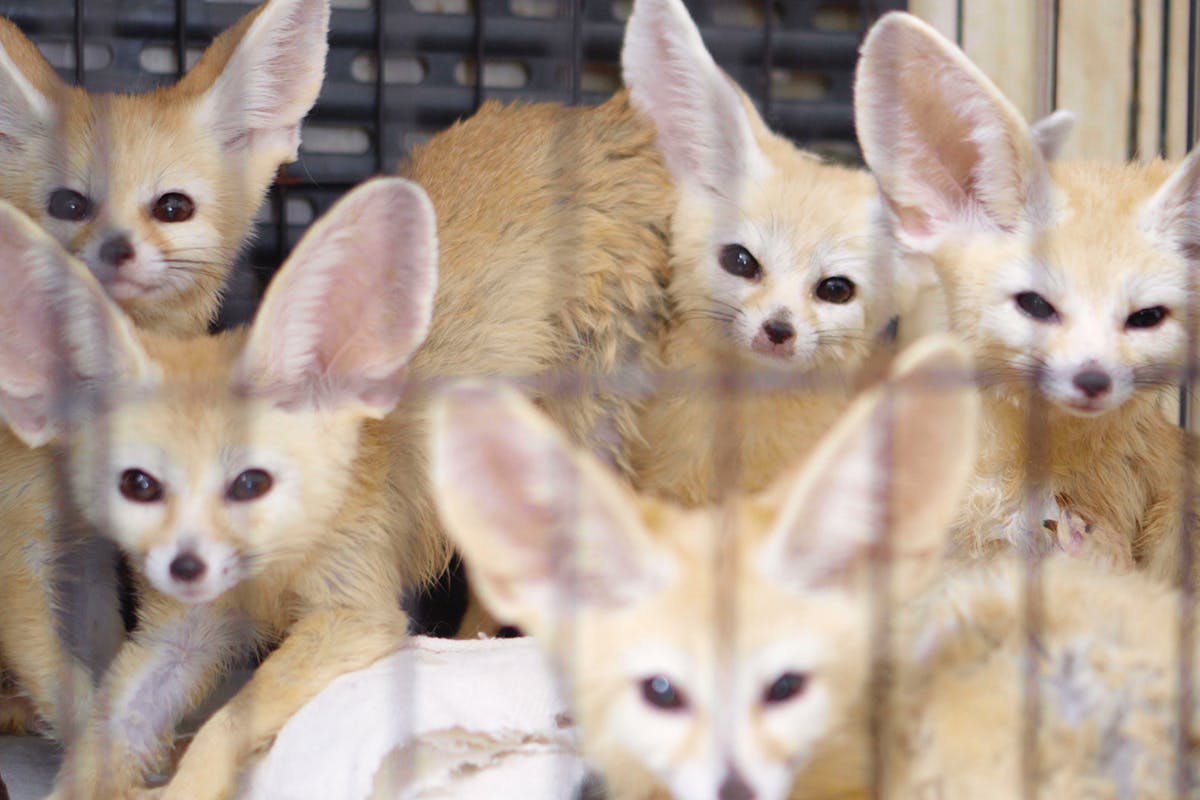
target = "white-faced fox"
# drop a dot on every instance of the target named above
(1072, 284)
(708, 651)
(157, 191)
(254, 479)
(737, 652)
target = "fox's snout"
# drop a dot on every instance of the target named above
(776, 337)
(194, 570)
(734, 786)
(1093, 381)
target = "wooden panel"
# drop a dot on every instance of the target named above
(1095, 75)
(1177, 103)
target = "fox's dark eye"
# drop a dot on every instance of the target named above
(659, 692)
(140, 487)
(1146, 317)
(1036, 306)
(69, 205)
(173, 207)
(736, 260)
(785, 687)
(250, 485)
(837, 289)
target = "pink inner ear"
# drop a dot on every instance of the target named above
(946, 150)
(354, 300)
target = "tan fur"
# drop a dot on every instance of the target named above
(711, 432)
(553, 225)
(721, 601)
(1101, 241)
(315, 566)
(1105, 672)
(118, 147)
(326, 595)
(709, 599)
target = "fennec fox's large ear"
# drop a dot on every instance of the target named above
(1174, 211)
(949, 151)
(60, 334)
(259, 79)
(1052, 131)
(28, 85)
(541, 525)
(344, 314)
(885, 481)
(704, 128)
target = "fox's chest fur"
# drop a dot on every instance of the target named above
(1113, 471)
(1105, 663)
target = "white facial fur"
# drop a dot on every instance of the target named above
(1085, 357)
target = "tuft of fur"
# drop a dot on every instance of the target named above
(314, 394)
(968, 190)
(218, 136)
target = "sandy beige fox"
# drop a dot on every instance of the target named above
(156, 192)
(657, 615)
(728, 652)
(1070, 281)
(782, 289)
(252, 478)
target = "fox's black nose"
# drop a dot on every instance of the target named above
(116, 250)
(778, 331)
(1093, 382)
(187, 567)
(734, 787)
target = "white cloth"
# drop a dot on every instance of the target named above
(439, 719)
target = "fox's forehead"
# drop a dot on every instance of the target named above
(190, 396)
(1104, 240)
(804, 208)
(116, 143)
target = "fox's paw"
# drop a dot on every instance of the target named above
(1092, 542)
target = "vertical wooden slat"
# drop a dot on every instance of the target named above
(1094, 76)
(941, 14)
(1002, 39)
(1177, 81)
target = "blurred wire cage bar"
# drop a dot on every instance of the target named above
(795, 58)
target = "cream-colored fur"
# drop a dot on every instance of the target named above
(317, 563)
(722, 604)
(553, 225)
(218, 136)
(968, 190)
(738, 410)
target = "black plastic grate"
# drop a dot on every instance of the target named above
(795, 57)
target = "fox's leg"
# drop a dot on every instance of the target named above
(322, 645)
(172, 662)
(58, 683)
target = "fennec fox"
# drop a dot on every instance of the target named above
(707, 651)
(252, 478)
(1070, 281)
(780, 294)
(156, 192)
(737, 652)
